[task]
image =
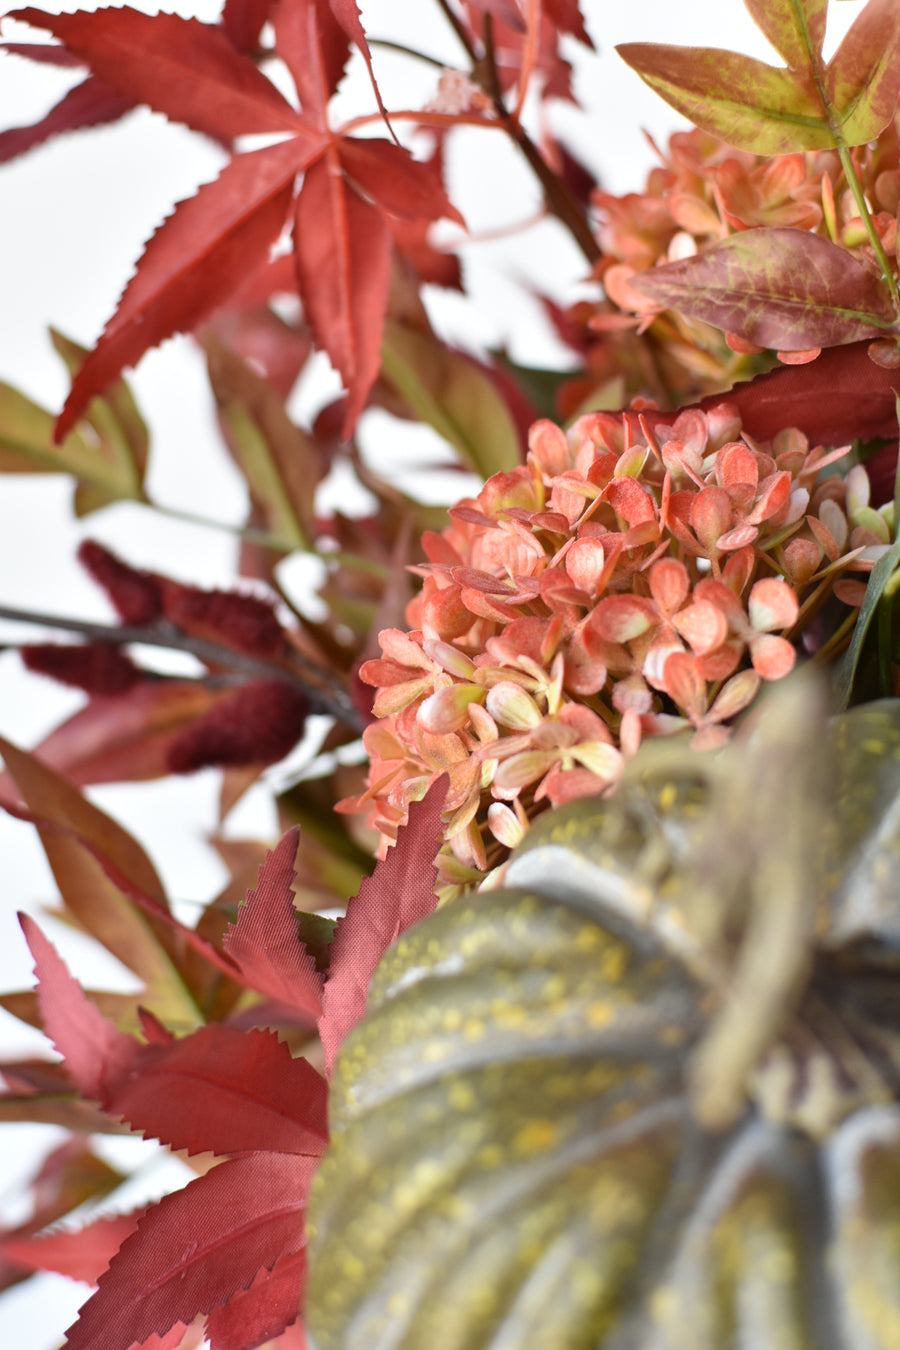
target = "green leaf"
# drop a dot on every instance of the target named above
(454, 395)
(122, 442)
(795, 28)
(743, 101)
(880, 578)
(863, 77)
(279, 461)
(70, 829)
(781, 288)
(516, 1156)
(26, 440)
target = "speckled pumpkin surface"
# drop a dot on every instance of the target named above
(643, 1097)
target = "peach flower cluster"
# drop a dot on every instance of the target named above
(625, 582)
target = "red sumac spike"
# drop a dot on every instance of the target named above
(95, 667)
(135, 595)
(245, 623)
(258, 724)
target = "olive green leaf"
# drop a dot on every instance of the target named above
(454, 395)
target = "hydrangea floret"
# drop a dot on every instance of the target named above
(633, 578)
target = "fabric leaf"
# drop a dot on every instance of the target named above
(454, 395)
(279, 461)
(314, 47)
(265, 940)
(398, 893)
(196, 1249)
(743, 101)
(863, 77)
(193, 262)
(795, 28)
(262, 1311)
(76, 835)
(402, 186)
(81, 1254)
(90, 104)
(224, 1091)
(185, 69)
(342, 247)
(782, 288)
(94, 1051)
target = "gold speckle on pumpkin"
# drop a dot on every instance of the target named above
(537, 1136)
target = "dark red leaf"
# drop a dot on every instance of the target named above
(265, 940)
(342, 247)
(90, 104)
(314, 47)
(401, 185)
(198, 1248)
(194, 261)
(94, 1051)
(224, 1091)
(398, 893)
(781, 288)
(264, 1310)
(82, 1254)
(838, 397)
(188, 70)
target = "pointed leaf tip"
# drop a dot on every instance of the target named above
(93, 1049)
(398, 893)
(265, 940)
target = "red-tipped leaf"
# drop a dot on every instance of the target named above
(265, 941)
(398, 893)
(863, 77)
(781, 288)
(743, 101)
(795, 30)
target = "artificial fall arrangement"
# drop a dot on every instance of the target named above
(604, 1049)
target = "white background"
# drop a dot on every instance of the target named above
(73, 219)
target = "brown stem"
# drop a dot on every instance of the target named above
(318, 685)
(560, 201)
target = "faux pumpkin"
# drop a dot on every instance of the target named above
(645, 1096)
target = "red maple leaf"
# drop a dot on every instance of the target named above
(205, 252)
(230, 1247)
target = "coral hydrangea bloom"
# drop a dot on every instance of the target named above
(618, 585)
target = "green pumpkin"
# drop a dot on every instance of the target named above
(643, 1097)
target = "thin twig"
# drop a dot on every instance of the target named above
(318, 685)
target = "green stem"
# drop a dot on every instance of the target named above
(407, 51)
(560, 201)
(862, 207)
